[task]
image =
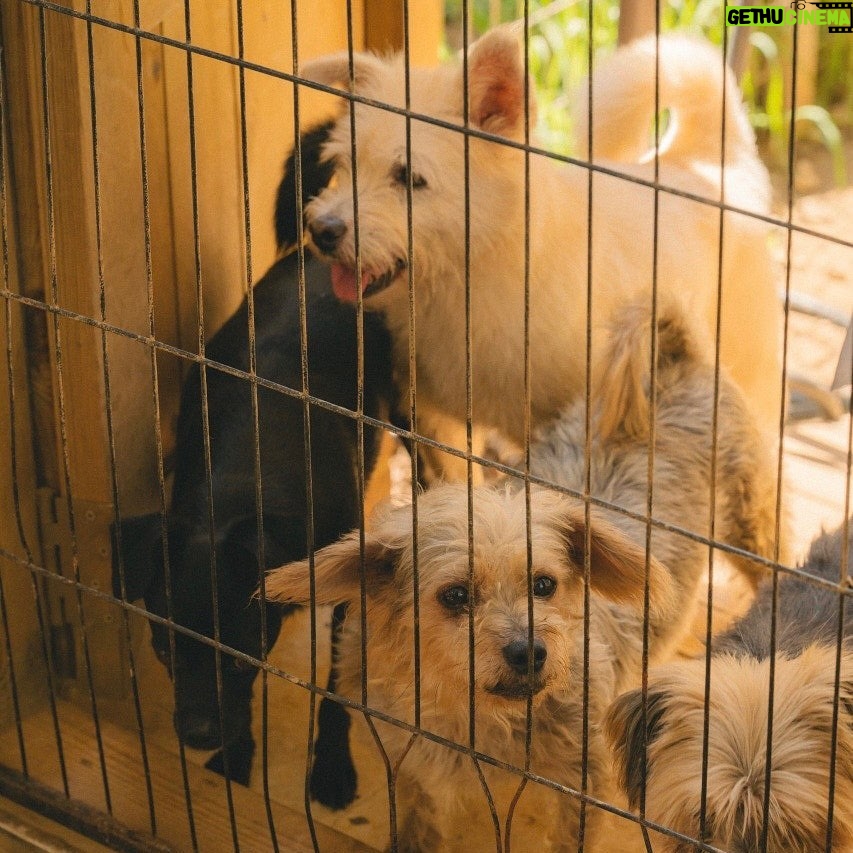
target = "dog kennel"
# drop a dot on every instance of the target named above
(142, 147)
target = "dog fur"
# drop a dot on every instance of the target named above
(212, 573)
(672, 735)
(438, 788)
(743, 487)
(439, 795)
(633, 238)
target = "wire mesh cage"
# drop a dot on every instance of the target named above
(454, 487)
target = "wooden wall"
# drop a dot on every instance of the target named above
(129, 205)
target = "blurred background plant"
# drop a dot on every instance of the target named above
(559, 60)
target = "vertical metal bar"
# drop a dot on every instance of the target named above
(96, 176)
(712, 494)
(469, 421)
(54, 300)
(258, 476)
(587, 453)
(528, 711)
(843, 571)
(205, 421)
(768, 766)
(155, 400)
(309, 480)
(416, 639)
(653, 359)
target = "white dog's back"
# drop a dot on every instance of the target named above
(704, 116)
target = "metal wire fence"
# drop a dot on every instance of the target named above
(258, 439)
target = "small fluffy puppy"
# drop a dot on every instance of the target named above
(439, 795)
(804, 707)
(469, 221)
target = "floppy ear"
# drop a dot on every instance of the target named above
(316, 174)
(338, 571)
(335, 69)
(496, 83)
(630, 739)
(617, 564)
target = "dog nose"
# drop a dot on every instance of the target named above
(326, 232)
(515, 654)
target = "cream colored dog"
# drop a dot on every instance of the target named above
(479, 198)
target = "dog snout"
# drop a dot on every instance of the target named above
(327, 231)
(516, 655)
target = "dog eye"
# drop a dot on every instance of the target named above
(544, 586)
(401, 176)
(454, 597)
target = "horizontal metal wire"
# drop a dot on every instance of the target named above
(56, 312)
(353, 705)
(468, 131)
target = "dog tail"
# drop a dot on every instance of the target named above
(691, 82)
(624, 375)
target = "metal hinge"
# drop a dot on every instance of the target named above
(91, 538)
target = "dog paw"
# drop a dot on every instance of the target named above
(333, 779)
(235, 761)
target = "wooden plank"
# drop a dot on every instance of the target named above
(22, 677)
(385, 22)
(130, 804)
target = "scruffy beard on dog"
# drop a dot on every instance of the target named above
(439, 793)
(804, 704)
(439, 786)
(632, 239)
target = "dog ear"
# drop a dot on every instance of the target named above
(316, 174)
(630, 734)
(617, 564)
(338, 573)
(334, 69)
(496, 83)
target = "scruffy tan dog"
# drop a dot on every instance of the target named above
(468, 196)
(477, 625)
(804, 704)
(438, 786)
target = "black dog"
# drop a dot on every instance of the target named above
(213, 568)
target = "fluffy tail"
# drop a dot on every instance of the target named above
(624, 373)
(691, 78)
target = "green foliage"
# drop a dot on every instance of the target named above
(559, 61)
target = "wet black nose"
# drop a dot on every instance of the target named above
(515, 654)
(326, 232)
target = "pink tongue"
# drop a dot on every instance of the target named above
(344, 283)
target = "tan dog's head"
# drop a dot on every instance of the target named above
(800, 755)
(488, 599)
(390, 155)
